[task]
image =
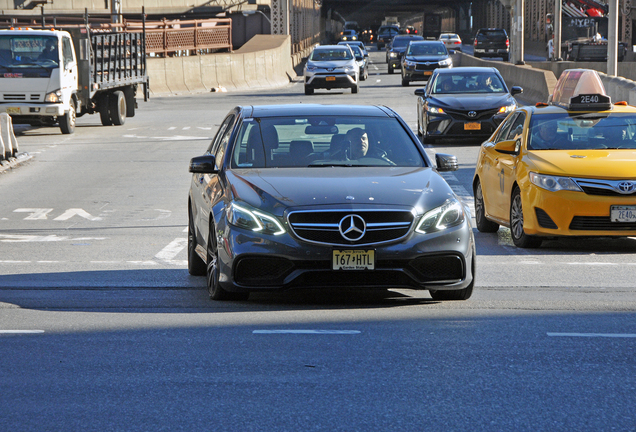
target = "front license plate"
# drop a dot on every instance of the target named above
(13, 110)
(427, 73)
(330, 78)
(623, 213)
(472, 126)
(491, 50)
(353, 259)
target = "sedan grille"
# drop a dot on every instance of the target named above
(463, 114)
(325, 226)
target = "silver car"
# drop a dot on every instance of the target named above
(329, 67)
(452, 41)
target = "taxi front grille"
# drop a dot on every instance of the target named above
(615, 188)
(323, 226)
(599, 223)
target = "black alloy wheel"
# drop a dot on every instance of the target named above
(519, 237)
(196, 266)
(215, 290)
(483, 224)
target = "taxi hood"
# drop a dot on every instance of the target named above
(584, 163)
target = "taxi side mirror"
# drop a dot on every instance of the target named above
(508, 147)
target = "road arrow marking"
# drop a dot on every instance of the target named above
(76, 212)
(168, 253)
(36, 213)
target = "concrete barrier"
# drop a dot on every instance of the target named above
(625, 69)
(264, 61)
(619, 89)
(9, 143)
(537, 84)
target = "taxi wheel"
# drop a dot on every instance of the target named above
(483, 224)
(196, 266)
(215, 290)
(519, 237)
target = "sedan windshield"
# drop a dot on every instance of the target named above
(591, 131)
(334, 54)
(468, 82)
(319, 141)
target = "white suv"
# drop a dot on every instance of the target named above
(329, 67)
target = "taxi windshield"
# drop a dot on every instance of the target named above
(320, 141)
(587, 131)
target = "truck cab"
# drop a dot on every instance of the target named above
(39, 77)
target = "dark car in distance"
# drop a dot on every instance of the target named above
(421, 58)
(318, 196)
(492, 42)
(385, 35)
(396, 49)
(463, 102)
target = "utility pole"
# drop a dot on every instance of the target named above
(612, 38)
(558, 17)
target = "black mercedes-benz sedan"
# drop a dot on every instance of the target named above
(463, 102)
(298, 196)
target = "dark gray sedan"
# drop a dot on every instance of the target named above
(296, 196)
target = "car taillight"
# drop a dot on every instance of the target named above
(475, 43)
(508, 42)
(457, 42)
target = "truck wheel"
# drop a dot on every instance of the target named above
(129, 92)
(117, 105)
(67, 121)
(104, 110)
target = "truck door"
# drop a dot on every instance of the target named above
(69, 70)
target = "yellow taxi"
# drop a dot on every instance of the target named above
(562, 168)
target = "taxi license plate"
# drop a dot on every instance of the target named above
(472, 126)
(330, 78)
(427, 73)
(353, 259)
(623, 213)
(13, 110)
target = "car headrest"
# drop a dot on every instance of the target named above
(300, 148)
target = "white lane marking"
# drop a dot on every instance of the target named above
(306, 332)
(607, 335)
(186, 128)
(168, 253)
(14, 262)
(378, 80)
(16, 238)
(593, 263)
(20, 331)
(204, 128)
(172, 128)
(77, 212)
(153, 263)
(36, 213)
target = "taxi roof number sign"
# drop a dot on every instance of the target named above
(580, 89)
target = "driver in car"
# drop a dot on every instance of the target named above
(359, 147)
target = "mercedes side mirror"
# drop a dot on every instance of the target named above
(203, 165)
(446, 162)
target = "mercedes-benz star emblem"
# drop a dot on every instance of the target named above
(352, 227)
(472, 114)
(626, 186)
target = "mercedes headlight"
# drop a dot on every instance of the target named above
(53, 97)
(449, 214)
(554, 183)
(255, 220)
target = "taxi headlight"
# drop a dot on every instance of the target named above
(506, 109)
(53, 97)
(449, 214)
(255, 220)
(553, 183)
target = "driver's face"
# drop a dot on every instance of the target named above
(359, 144)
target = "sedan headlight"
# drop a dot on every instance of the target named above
(507, 109)
(53, 97)
(349, 69)
(311, 68)
(446, 62)
(449, 214)
(434, 110)
(254, 220)
(554, 183)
